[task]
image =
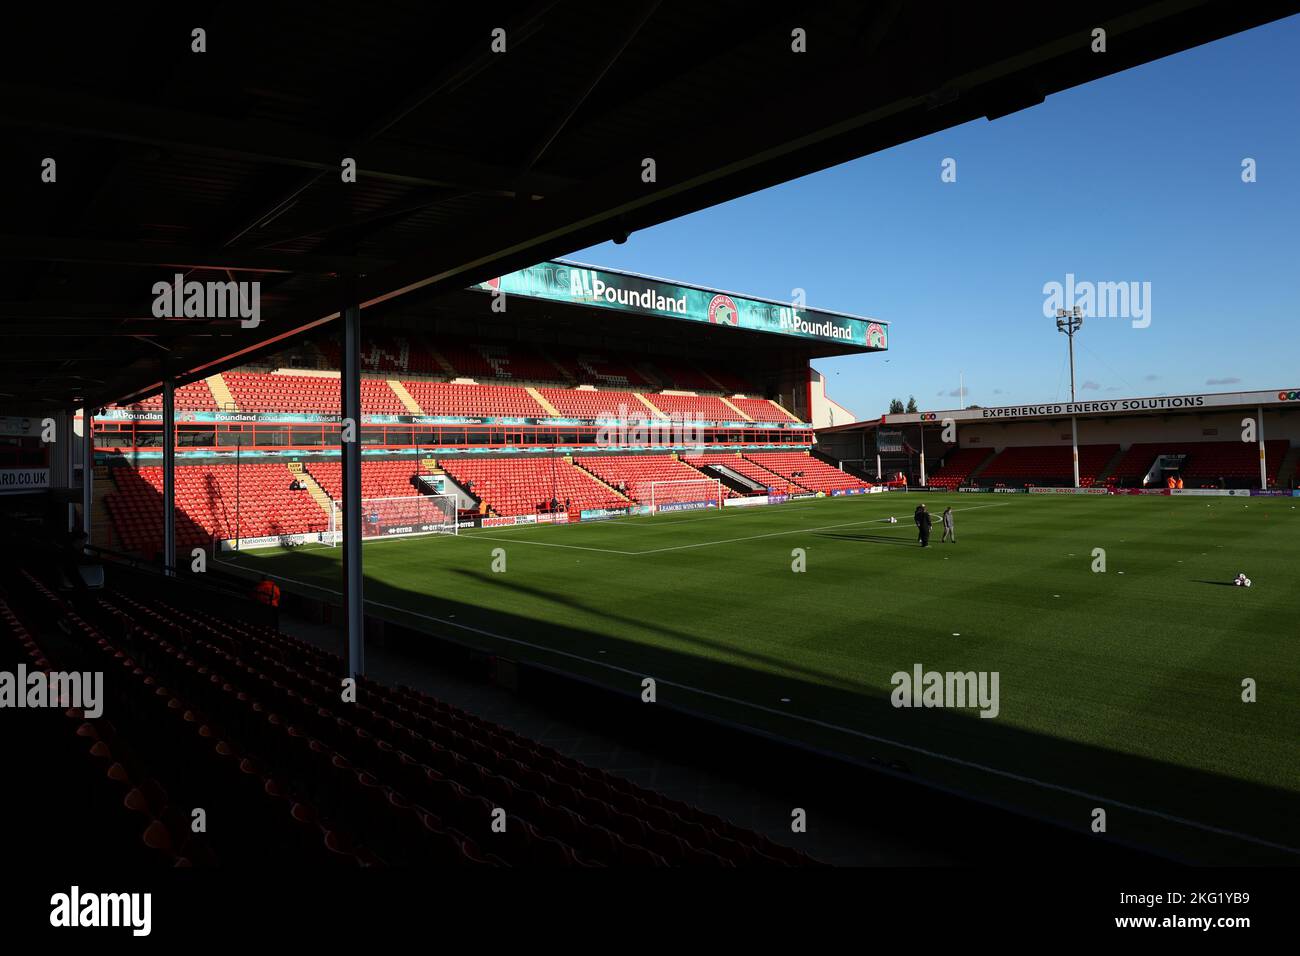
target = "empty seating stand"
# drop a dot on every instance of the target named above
(812, 473)
(451, 398)
(638, 473)
(379, 479)
(761, 410)
(957, 467)
(739, 464)
(1205, 462)
(215, 711)
(596, 403)
(212, 501)
(275, 392)
(512, 486)
(1048, 465)
(699, 407)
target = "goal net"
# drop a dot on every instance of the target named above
(681, 495)
(398, 517)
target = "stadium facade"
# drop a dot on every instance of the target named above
(1239, 441)
(562, 390)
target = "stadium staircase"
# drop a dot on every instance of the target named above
(719, 467)
(713, 381)
(562, 372)
(313, 487)
(101, 522)
(221, 393)
(654, 412)
(541, 400)
(403, 396)
(762, 409)
(740, 465)
(1105, 474)
(443, 363)
(741, 415)
(989, 458)
(1286, 471)
(595, 477)
(815, 474)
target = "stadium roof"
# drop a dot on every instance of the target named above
(226, 164)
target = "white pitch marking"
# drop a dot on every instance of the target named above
(1182, 821)
(780, 534)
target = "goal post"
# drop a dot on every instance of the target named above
(401, 517)
(682, 494)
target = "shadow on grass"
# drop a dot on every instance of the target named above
(1007, 766)
(873, 538)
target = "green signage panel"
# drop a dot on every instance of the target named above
(577, 284)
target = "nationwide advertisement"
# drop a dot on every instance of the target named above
(745, 502)
(578, 284)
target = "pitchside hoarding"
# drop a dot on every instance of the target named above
(577, 284)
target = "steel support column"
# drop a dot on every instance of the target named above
(1263, 460)
(350, 439)
(1074, 447)
(922, 431)
(87, 473)
(169, 475)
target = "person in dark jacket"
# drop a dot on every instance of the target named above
(923, 522)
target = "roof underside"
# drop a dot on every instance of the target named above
(226, 164)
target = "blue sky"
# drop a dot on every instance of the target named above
(1134, 178)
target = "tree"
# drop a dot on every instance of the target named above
(896, 406)
(911, 405)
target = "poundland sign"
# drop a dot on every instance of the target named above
(583, 285)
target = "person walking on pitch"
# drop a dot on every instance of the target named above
(924, 521)
(947, 526)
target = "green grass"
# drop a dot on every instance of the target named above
(1119, 689)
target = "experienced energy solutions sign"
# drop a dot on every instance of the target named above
(578, 284)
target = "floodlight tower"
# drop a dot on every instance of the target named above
(1070, 321)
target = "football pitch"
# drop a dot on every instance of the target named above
(1120, 672)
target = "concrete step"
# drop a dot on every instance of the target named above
(742, 416)
(405, 397)
(1289, 464)
(221, 393)
(540, 399)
